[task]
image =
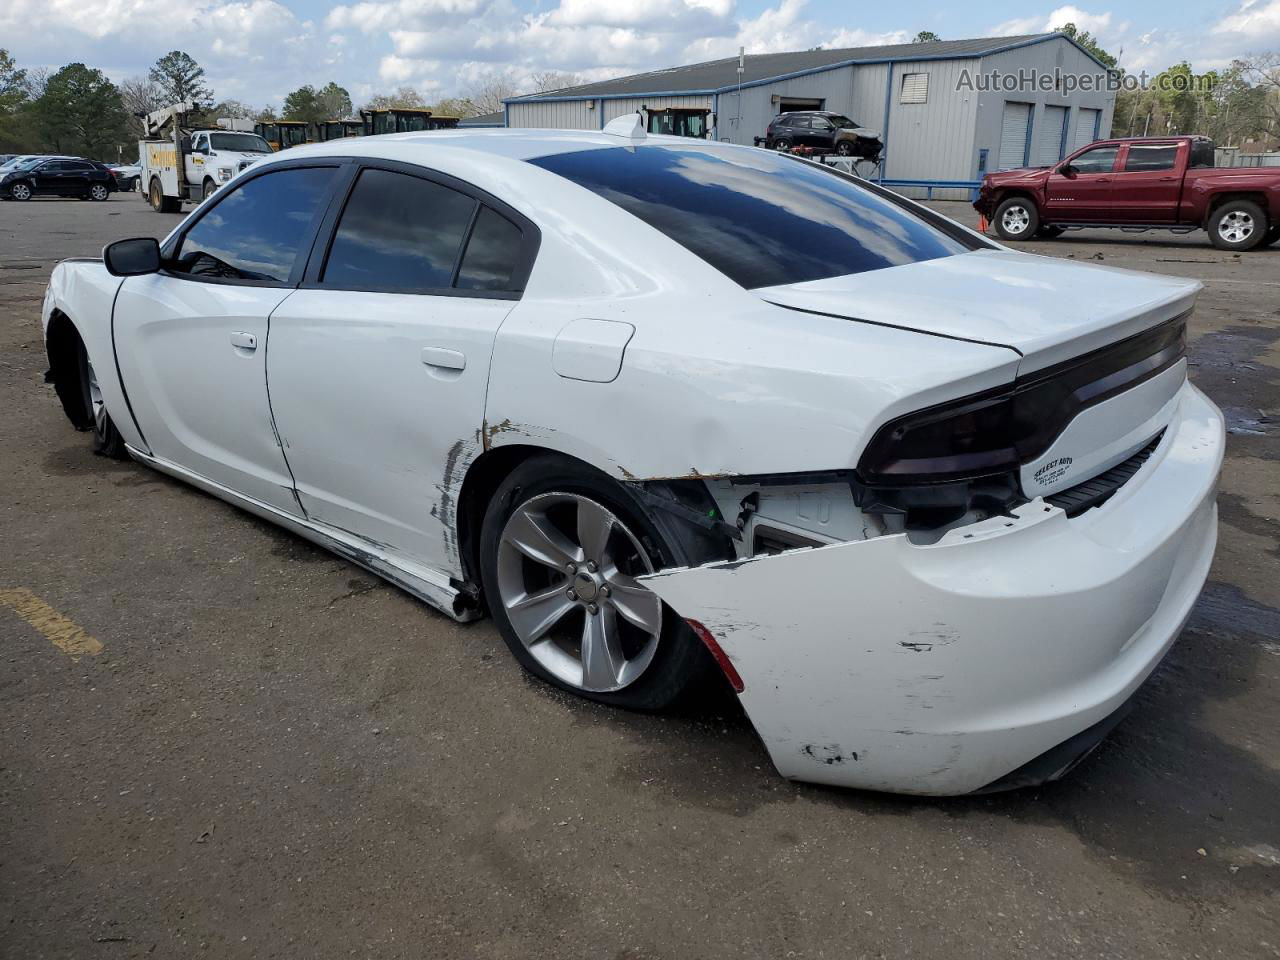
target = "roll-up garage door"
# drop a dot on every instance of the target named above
(1086, 124)
(1013, 135)
(1050, 137)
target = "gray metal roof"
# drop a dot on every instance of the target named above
(484, 120)
(761, 67)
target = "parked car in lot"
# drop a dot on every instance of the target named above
(1160, 183)
(935, 508)
(126, 175)
(823, 131)
(67, 177)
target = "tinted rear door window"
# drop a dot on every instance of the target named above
(398, 233)
(760, 218)
(257, 230)
(1150, 156)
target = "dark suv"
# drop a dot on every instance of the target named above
(59, 177)
(822, 131)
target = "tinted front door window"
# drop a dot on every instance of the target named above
(398, 233)
(257, 231)
(1100, 160)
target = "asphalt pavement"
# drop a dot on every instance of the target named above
(218, 740)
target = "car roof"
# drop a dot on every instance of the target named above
(517, 144)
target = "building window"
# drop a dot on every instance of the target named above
(915, 88)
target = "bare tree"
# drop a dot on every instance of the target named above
(405, 98)
(487, 97)
(548, 80)
(37, 78)
(1263, 71)
(454, 107)
(141, 95)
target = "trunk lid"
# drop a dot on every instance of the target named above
(1045, 308)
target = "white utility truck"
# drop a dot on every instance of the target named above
(180, 164)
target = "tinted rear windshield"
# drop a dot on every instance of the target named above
(759, 217)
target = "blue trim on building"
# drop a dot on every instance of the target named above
(1031, 125)
(837, 65)
(1062, 141)
(1097, 122)
(600, 113)
(506, 114)
(888, 110)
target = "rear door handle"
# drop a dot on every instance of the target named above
(245, 341)
(444, 358)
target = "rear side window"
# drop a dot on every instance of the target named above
(398, 233)
(759, 217)
(257, 230)
(1150, 156)
(493, 254)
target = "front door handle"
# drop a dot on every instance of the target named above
(245, 341)
(444, 358)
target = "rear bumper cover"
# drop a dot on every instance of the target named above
(943, 668)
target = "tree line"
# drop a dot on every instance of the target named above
(77, 110)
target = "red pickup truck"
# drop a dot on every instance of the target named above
(1151, 183)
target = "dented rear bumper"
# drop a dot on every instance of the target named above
(942, 668)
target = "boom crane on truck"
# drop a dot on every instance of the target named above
(180, 164)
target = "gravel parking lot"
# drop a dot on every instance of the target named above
(273, 754)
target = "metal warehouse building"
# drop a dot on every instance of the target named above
(943, 120)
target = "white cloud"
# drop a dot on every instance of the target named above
(1252, 26)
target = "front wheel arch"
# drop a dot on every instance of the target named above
(63, 344)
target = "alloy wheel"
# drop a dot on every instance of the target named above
(98, 192)
(20, 191)
(1236, 227)
(567, 569)
(96, 407)
(1016, 219)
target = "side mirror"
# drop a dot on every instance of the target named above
(133, 257)
(1068, 171)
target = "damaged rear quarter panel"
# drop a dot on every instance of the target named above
(719, 383)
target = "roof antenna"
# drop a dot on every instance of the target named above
(629, 125)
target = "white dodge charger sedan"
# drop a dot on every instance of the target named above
(669, 410)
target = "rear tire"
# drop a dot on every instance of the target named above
(1238, 225)
(159, 202)
(782, 145)
(99, 192)
(550, 505)
(1016, 219)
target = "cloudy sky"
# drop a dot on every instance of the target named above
(258, 50)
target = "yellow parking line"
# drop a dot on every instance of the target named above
(63, 633)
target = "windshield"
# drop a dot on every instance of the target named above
(840, 121)
(759, 217)
(238, 142)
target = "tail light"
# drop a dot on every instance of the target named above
(996, 432)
